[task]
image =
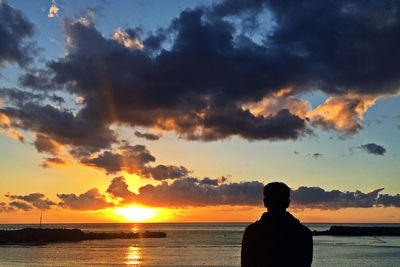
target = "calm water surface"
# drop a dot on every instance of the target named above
(194, 244)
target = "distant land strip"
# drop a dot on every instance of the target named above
(359, 231)
(37, 236)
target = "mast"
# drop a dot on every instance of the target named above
(40, 225)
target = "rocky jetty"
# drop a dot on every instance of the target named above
(360, 231)
(43, 236)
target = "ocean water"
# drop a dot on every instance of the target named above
(191, 244)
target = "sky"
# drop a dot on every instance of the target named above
(181, 111)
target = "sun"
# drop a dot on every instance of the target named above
(136, 214)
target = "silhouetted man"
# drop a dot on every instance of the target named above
(278, 238)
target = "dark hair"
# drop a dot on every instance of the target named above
(276, 195)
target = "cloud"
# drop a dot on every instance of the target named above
(134, 160)
(44, 144)
(342, 113)
(18, 97)
(91, 200)
(6, 129)
(129, 39)
(119, 188)
(190, 108)
(219, 74)
(196, 193)
(187, 192)
(272, 104)
(15, 29)
(147, 136)
(131, 159)
(318, 198)
(38, 200)
(62, 126)
(52, 162)
(373, 149)
(209, 181)
(162, 172)
(314, 155)
(20, 205)
(386, 200)
(5, 208)
(337, 61)
(53, 10)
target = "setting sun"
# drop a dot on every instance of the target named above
(136, 214)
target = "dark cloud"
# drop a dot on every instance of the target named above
(134, 160)
(187, 192)
(54, 161)
(119, 188)
(63, 126)
(20, 205)
(209, 181)
(236, 7)
(162, 172)
(38, 200)
(194, 192)
(147, 136)
(131, 159)
(44, 144)
(5, 208)
(336, 60)
(386, 200)
(153, 41)
(373, 148)
(318, 198)
(19, 97)
(314, 155)
(196, 88)
(14, 30)
(91, 200)
(200, 84)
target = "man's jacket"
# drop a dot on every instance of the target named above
(277, 239)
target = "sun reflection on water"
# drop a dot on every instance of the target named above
(133, 256)
(135, 228)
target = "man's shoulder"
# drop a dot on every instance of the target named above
(304, 230)
(253, 228)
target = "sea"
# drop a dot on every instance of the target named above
(191, 244)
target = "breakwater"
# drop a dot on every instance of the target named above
(43, 236)
(359, 231)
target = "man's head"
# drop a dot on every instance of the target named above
(276, 196)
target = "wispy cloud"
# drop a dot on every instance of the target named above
(148, 136)
(53, 10)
